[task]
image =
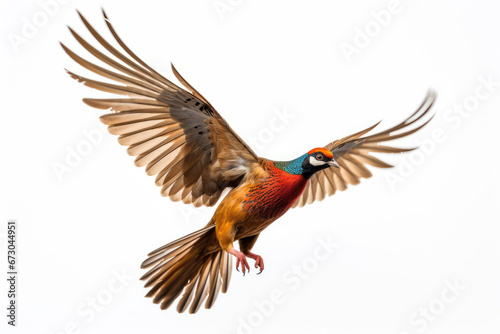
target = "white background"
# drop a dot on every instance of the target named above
(399, 242)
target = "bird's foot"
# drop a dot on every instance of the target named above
(240, 258)
(259, 261)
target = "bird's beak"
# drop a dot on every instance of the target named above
(333, 163)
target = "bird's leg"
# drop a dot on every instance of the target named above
(246, 245)
(259, 261)
(240, 258)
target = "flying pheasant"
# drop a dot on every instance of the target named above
(196, 157)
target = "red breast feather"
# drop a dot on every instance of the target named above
(275, 195)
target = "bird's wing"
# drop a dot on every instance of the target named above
(353, 153)
(176, 134)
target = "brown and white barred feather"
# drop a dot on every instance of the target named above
(176, 134)
(353, 152)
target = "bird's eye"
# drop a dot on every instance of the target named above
(319, 157)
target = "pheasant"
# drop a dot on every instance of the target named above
(196, 157)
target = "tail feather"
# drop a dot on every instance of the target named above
(201, 289)
(160, 269)
(180, 241)
(187, 297)
(165, 256)
(225, 270)
(188, 264)
(214, 285)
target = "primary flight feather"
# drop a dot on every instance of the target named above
(177, 135)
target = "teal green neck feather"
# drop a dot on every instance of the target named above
(293, 166)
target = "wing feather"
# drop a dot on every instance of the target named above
(175, 133)
(354, 152)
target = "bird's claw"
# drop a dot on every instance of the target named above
(259, 261)
(241, 259)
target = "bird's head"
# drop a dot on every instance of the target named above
(306, 165)
(317, 159)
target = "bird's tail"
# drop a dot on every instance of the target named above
(191, 263)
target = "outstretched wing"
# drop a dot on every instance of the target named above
(353, 153)
(176, 134)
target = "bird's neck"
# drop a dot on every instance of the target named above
(293, 167)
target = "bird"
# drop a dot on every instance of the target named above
(198, 159)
